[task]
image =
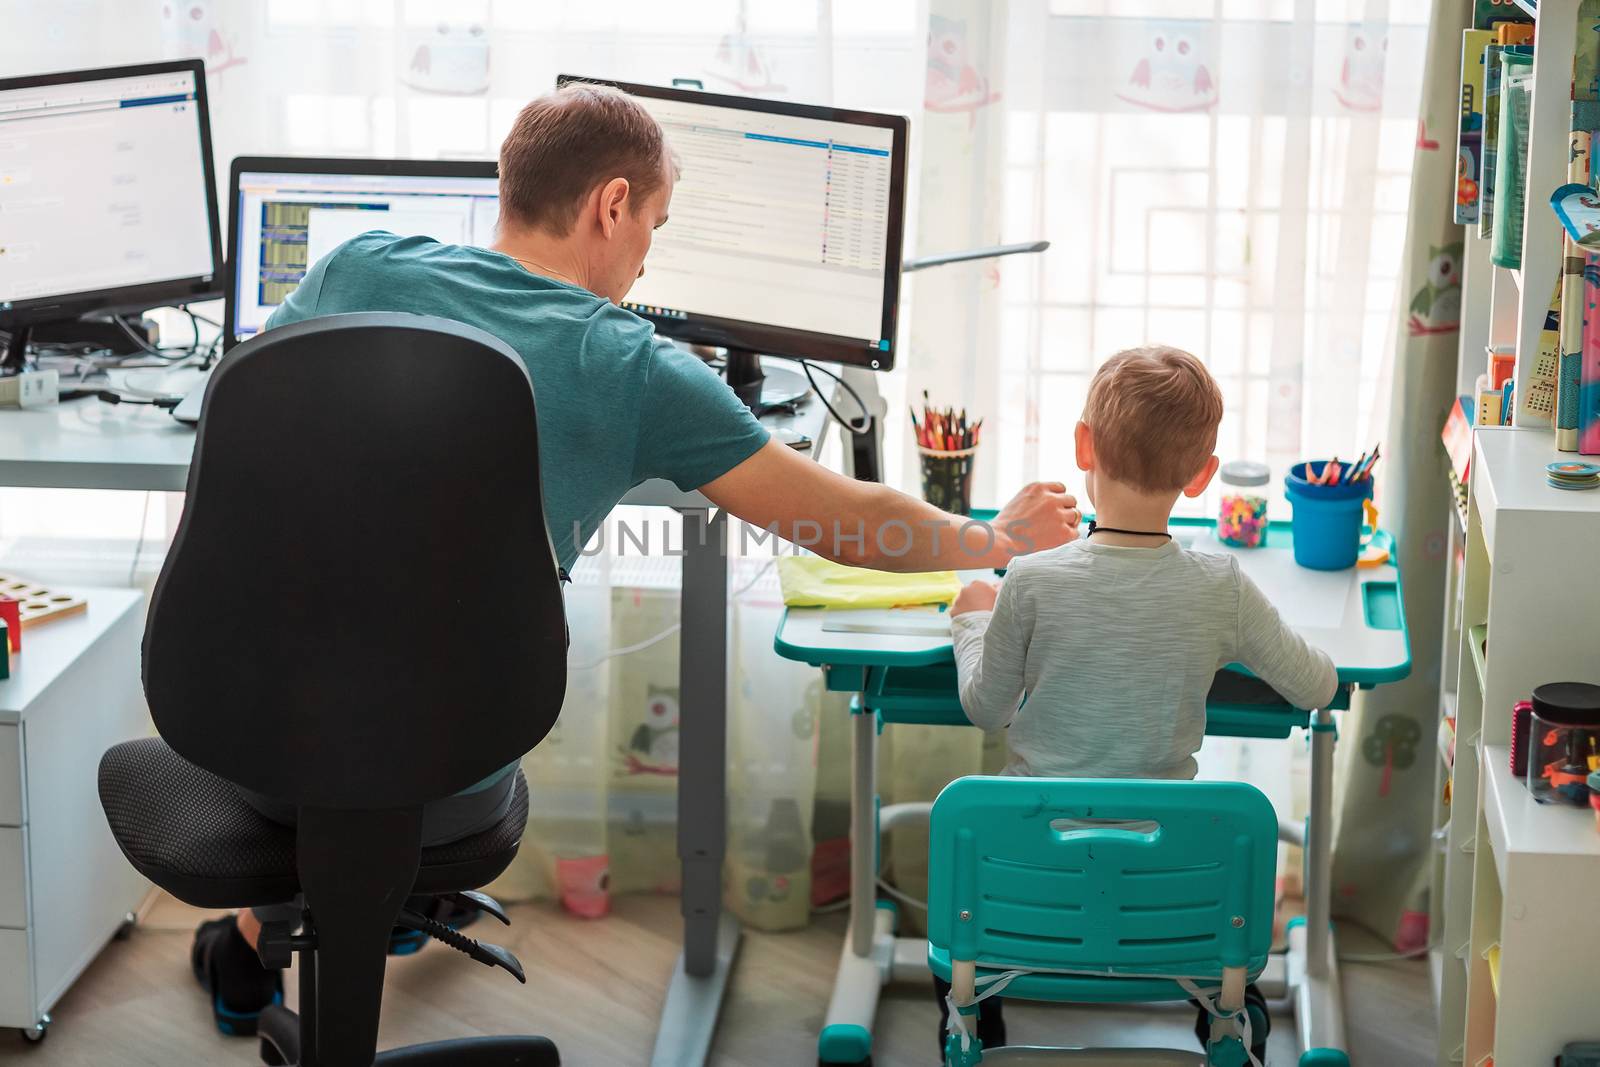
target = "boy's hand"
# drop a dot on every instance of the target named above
(976, 596)
(1043, 515)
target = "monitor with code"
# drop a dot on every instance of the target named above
(287, 213)
(784, 231)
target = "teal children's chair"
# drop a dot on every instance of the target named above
(1101, 891)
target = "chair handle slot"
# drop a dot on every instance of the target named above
(1131, 831)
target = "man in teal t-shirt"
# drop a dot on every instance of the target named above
(616, 406)
(586, 178)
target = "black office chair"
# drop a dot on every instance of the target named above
(361, 613)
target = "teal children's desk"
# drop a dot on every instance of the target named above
(1354, 615)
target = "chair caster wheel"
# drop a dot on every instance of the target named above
(38, 1031)
(270, 1055)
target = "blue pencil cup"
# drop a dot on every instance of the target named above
(1327, 519)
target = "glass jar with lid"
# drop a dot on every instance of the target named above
(1242, 516)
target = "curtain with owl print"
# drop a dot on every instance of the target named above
(1386, 780)
(1228, 176)
(443, 79)
(1233, 178)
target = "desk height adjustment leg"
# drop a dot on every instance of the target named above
(846, 1036)
(1319, 844)
(710, 939)
(864, 843)
(1313, 961)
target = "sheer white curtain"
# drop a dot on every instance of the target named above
(1228, 176)
(444, 79)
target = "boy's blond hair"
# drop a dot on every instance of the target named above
(1154, 413)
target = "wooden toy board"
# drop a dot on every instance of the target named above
(39, 604)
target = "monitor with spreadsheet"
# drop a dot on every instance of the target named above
(107, 193)
(286, 213)
(784, 231)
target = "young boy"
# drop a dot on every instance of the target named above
(1114, 638)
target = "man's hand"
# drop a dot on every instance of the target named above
(1043, 515)
(976, 596)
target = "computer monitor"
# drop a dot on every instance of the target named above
(107, 194)
(785, 230)
(288, 212)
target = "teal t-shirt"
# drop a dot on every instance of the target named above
(616, 405)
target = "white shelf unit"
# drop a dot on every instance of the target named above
(1502, 309)
(1528, 615)
(1539, 1000)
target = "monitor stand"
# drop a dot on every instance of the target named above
(96, 331)
(15, 359)
(762, 390)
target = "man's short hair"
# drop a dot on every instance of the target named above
(567, 142)
(1154, 412)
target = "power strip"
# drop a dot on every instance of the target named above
(30, 389)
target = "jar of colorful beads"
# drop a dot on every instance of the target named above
(1242, 518)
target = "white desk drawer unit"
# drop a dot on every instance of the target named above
(65, 888)
(10, 776)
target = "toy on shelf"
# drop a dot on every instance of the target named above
(36, 604)
(1573, 474)
(11, 617)
(1521, 724)
(1594, 797)
(1565, 748)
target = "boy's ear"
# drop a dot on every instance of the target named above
(1083, 440)
(1198, 483)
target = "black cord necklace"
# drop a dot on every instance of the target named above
(1096, 528)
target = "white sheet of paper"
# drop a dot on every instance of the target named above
(926, 621)
(1306, 599)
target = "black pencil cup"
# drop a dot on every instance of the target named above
(947, 479)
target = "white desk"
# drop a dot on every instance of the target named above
(88, 444)
(1354, 615)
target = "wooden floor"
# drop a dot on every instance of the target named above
(596, 988)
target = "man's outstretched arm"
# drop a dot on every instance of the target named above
(864, 524)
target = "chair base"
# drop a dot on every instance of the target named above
(474, 1052)
(280, 1043)
(1037, 1056)
(280, 1047)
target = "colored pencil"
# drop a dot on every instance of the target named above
(944, 429)
(1351, 472)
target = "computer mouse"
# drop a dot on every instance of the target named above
(793, 438)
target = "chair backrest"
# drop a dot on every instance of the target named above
(1103, 876)
(361, 608)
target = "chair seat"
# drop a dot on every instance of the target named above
(1083, 988)
(192, 834)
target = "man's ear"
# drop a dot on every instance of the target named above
(1083, 441)
(1198, 483)
(613, 202)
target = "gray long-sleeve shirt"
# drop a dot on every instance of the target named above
(1114, 650)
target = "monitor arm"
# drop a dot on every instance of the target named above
(15, 358)
(864, 451)
(992, 252)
